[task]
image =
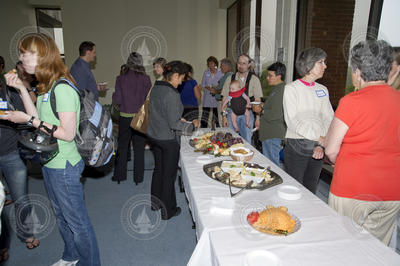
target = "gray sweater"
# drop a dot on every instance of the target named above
(165, 113)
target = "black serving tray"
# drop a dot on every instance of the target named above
(209, 169)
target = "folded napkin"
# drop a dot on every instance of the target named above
(222, 206)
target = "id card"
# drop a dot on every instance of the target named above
(3, 105)
(320, 93)
(45, 97)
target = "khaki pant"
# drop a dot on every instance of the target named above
(377, 217)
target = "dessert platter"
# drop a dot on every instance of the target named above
(242, 174)
(274, 220)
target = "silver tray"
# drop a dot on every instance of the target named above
(209, 169)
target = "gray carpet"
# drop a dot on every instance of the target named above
(105, 201)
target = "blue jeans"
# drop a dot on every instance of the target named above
(271, 149)
(14, 171)
(244, 131)
(66, 195)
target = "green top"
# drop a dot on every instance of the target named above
(272, 122)
(221, 82)
(67, 100)
(126, 115)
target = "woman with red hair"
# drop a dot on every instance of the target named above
(40, 56)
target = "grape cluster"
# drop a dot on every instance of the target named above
(225, 139)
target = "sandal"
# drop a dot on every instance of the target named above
(32, 243)
(3, 255)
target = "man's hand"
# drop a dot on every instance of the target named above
(196, 123)
(257, 108)
(257, 123)
(225, 121)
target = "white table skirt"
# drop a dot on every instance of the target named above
(325, 238)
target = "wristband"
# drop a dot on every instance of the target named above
(30, 122)
(48, 130)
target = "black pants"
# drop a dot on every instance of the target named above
(300, 164)
(190, 113)
(166, 156)
(125, 135)
(205, 115)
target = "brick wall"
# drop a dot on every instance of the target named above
(329, 23)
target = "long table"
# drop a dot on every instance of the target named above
(325, 238)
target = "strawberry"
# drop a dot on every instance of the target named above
(253, 217)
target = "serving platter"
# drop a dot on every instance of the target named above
(263, 177)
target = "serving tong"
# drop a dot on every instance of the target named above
(248, 185)
(238, 192)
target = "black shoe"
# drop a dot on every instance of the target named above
(177, 212)
(137, 182)
(114, 179)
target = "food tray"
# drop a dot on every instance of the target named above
(209, 169)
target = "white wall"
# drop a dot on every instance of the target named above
(192, 29)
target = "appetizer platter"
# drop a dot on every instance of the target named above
(242, 174)
(216, 143)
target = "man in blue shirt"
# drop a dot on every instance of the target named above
(80, 69)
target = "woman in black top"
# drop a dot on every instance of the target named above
(165, 124)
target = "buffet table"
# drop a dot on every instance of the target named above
(225, 237)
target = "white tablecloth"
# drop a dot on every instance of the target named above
(325, 238)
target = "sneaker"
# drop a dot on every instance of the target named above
(62, 262)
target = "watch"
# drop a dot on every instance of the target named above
(30, 122)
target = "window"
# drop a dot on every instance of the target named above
(49, 21)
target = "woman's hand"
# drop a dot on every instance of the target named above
(16, 117)
(13, 80)
(318, 153)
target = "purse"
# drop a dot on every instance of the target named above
(141, 119)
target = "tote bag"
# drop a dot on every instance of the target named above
(141, 119)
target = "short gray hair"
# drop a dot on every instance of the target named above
(307, 58)
(135, 62)
(373, 59)
(228, 62)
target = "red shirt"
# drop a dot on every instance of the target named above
(368, 164)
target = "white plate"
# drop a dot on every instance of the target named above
(261, 258)
(289, 192)
(204, 159)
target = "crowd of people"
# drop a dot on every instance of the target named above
(361, 139)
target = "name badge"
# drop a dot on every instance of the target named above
(3, 105)
(45, 97)
(320, 93)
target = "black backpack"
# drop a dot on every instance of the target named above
(94, 137)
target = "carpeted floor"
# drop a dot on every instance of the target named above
(123, 222)
(120, 242)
